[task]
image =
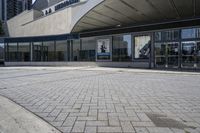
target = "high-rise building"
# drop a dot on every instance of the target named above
(10, 8)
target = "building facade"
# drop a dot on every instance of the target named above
(126, 33)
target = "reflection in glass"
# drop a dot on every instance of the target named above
(158, 36)
(172, 54)
(61, 51)
(167, 54)
(24, 51)
(142, 47)
(198, 54)
(88, 49)
(160, 61)
(188, 54)
(173, 49)
(160, 54)
(76, 50)
(188, 33)
(171, 35)
(37, 51)
(1, 52)
(48, 51)
(198, 33)
(122, 48)
(172, 61)
(160, 49)
(12, 52)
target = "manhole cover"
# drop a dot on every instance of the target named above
(164, 121)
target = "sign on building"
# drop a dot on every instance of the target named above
(103, 49)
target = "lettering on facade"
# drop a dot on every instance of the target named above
(65, 4)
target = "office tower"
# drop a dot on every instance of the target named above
(11, 8)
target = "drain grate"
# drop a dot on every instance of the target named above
(164, 121)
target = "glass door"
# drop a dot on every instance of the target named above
(188, 54)
(173, 55)
(167, 55)
(160, 55)
(37, 51)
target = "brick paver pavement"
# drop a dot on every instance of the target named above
(92, 101)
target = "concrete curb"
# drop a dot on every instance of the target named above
(90, 68)
(16, 119)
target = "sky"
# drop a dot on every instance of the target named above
(33, 1)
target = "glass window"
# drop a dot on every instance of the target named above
(160, 54)
(122, 48)
(24, 51)
(37, 51)
(1, 53)
(76, 50)
(198, 54)
(12, 52)
(88, 49)
(170, 35)
(188, 54)
(167, 54)
(49, 51)
(158, 36)
(61, 51)
(172, 54)
(188, 33)
(175, 35)
(160, 61)
(160, 49)
(173, 49)
(198, 33)
(142, 47)
(167, 35)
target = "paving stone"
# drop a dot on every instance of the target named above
(90, 100)
(65, 129)
(69, 121)
(79, 127)
(127, 127)
(61, 116)
(143, 117)
(109, 130)
(97, 123)
(143, 124)
(114, 121)
(159, 130)
(102, 116)
(141, 130)
(90, 118)
(90, 129)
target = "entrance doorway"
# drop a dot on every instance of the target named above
(37, 51)
(167, 55)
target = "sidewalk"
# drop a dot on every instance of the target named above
(15, 119)
(110, 69)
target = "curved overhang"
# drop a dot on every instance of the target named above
(101, 14)
(85, 9)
